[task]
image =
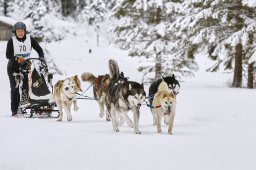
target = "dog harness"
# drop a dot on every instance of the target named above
(98, 82)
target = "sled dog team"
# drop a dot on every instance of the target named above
(118, 95)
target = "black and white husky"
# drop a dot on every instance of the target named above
(123, 96)
(172, 83)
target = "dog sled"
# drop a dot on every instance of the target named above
(35, 92)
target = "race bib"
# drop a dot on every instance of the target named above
(22, 49)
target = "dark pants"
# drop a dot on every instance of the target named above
(15, 96)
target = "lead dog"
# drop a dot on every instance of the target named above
(100, 87)
(123, 96)
(164, 103)
(64, 94)
(172, 84)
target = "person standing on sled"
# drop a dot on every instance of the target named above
(18, 48)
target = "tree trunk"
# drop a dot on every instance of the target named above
(250, 76)
(5, 7)
(64, 7)
(158, 66)
(250, 80)
(237, 79)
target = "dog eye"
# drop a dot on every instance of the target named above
(166, 103)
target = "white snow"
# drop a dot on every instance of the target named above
(8, 20)
(250, 3)
(214, 127)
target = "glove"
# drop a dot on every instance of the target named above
(20, 60)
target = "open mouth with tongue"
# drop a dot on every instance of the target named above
(168, 111)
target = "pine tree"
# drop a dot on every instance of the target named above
(68, 7)
(93, 12)
(144, 29)
(221, 28)
(17, 9)
(39, 13)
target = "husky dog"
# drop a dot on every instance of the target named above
(172, 83)
(164, 103)
(64, 94)
(122, 96)
(100, 87)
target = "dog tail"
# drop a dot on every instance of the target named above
(163, 86)
(113, 69)
(88, 77)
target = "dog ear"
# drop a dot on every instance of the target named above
(173, 76)
(142, 84)
(78, 83)
(165, 95)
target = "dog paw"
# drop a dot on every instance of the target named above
(59, 120)
(170, 132)
(76, 108)
(137, 132)
(116, 130)
(108, 119)
(69, 118)
(101, 115)
(159, 131)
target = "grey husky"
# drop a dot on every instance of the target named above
(123, 96)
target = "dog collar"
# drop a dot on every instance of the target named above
(158, 106)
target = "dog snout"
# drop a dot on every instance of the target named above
(169, 108)
(66, 88)
(139, 104)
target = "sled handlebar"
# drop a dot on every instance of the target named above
(43, 63)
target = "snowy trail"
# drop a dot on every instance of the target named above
(214, 126)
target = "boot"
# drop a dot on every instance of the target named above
(14, 113)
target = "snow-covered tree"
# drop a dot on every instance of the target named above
(143, 28)
(41, 15)
(93, 12)
(223, 28)
(4, 7)
(17, 9)
(68, 7)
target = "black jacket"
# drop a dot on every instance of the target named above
(34, 45)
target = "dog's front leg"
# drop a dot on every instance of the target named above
(136, 117)
(101, 106)
(107, 115)
(67, 108)
(59, 105)
(158, 121)
(125, 118)
(171, 120)
(113, 118)
(154, 116)
(75, 105)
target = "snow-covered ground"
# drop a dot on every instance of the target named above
(214, 127)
